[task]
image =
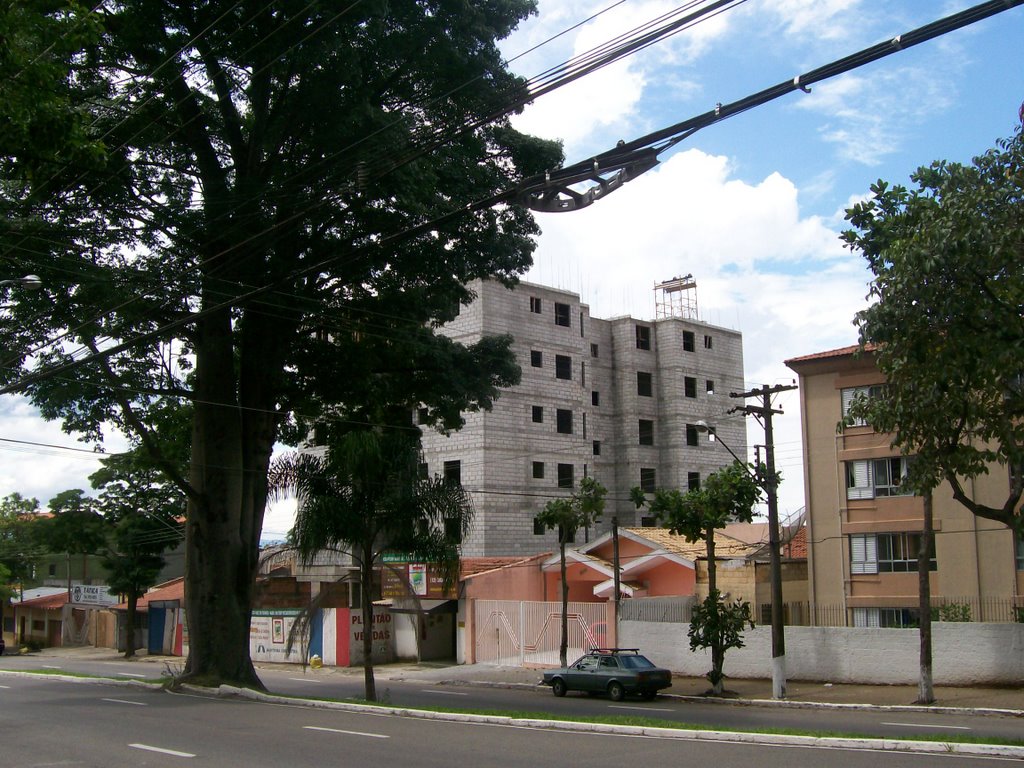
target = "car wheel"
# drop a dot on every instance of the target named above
(615, 691)
(558, 687)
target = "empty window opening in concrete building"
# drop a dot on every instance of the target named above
(538, 414)
(538, 470)
(562, 315)
(692, 435)
(564, 421)
(453, 471)
(566, 477)
(563, 367)
(646, 430)
(689, 386)
(689, 341)
(648, 479)
(707, 342)
(594, 350)
(693, 481)
(595, 398)
(643, 337)
(597, 452)
(535, 304)
(536, 358)
(644, 386)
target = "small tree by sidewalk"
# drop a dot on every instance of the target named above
(567, 516)
(728, 495)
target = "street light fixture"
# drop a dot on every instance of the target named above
(29, 282)
(767, 480)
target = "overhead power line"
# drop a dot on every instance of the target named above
(558, 190)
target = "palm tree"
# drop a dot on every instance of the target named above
(364, 496)
(568, 515)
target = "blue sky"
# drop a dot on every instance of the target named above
(752, 206)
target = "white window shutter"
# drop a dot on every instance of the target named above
(863, 553)
(858, 480)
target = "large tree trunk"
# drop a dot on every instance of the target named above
(220, 551)
(925, 692)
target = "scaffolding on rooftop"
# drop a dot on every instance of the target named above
(676, 298)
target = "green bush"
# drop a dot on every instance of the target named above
(955, 612)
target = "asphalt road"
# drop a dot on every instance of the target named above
(294, 682)
(52, 722)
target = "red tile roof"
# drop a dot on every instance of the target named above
(46, 602)
(831, 353)
(796, 549)
(473, 566)
(171, 590)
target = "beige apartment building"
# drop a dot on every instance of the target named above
(863, 529)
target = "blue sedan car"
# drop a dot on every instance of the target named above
(613, 671)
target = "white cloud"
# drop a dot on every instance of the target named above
(780, 277)
(824, 19)
(605, 102)
(39, 459)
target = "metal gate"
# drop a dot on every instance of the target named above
(513, 633)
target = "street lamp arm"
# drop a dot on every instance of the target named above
(702, 426)
(30, 282)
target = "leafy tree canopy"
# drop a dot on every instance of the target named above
(251, 242)
(76, 527)
(581, 510)
(946, 326)
(727, 495)
(19, 548)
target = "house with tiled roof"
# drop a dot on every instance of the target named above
(655, 563)
(39, 620)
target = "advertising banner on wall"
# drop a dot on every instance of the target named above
(268, 637)
(404, 577)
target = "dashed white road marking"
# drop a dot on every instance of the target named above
(305, 680)
(125, 701)
(130, 674)
(347, 733)
(442, 693)
(161, 750)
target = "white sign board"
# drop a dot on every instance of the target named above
(93, 594)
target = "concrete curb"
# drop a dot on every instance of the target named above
(891, 745)
(739, 702)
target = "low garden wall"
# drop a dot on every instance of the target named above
(967, 653)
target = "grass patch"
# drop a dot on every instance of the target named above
(653, 722)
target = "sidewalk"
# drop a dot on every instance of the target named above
(740, 691)
(1005, 700)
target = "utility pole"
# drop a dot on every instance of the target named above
(764, 412)
(615, 565)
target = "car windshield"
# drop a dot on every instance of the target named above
(635, 662)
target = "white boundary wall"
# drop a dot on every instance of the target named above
(962, 653)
